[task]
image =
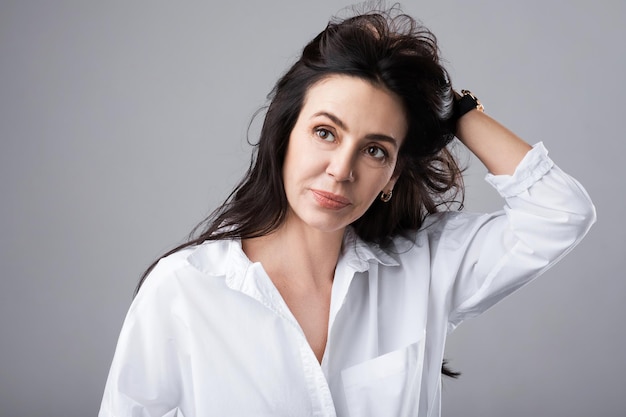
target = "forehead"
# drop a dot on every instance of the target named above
(362, 106)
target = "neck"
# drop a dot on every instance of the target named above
(298, 254)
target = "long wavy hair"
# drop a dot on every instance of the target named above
(388, 49)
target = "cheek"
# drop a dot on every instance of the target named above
(304, 161)
(377, 180)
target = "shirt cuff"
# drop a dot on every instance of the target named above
(535, 165)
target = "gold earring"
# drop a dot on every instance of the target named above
(385, 197)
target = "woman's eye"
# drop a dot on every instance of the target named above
(376, 152)
(325, 134)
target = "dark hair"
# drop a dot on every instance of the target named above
(388, 49)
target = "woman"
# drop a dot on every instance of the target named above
(326, 284)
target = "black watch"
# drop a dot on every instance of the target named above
(467, 102)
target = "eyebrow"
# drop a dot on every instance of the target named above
(342, 125)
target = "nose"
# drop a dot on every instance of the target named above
(341, 165)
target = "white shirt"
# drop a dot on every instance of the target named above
(210, 335)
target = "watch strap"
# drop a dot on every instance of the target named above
(467, 102)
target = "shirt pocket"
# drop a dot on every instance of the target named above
(388, 385)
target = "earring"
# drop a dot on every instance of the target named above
(385, 197)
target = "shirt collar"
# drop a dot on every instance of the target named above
(227, 258)
(209, 256)
(221, 258)
(357, 253)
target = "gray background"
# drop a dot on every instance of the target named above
(123, 123)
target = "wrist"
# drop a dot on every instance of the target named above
(466, 102)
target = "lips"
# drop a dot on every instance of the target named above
(330, 200)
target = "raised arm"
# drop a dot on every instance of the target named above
(499, 149)
(546, 213)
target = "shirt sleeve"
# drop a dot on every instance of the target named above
(145, 378)
(546, 214)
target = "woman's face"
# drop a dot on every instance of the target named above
(342, 152)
